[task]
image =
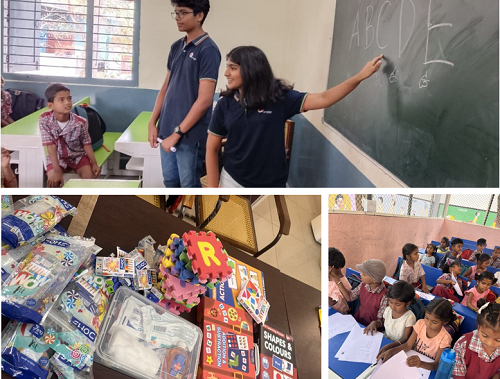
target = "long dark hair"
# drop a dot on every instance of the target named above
(489, 317)
(442, 309)
(259, 86)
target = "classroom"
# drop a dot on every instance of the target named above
(161, 286)
(417, 253)
(422, 97)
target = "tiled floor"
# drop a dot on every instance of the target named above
(298, 254)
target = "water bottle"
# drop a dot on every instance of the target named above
(446, 364)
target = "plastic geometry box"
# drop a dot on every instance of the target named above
(277, 357)
(143, 340)
(228, 291)
(228, 348)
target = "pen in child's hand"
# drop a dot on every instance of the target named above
(172, 149)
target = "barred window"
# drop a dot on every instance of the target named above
(88, 40)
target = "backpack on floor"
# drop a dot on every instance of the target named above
(24, 103)
(96, 125)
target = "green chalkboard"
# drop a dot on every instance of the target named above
(430, 115)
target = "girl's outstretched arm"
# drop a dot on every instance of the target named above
(331, 96)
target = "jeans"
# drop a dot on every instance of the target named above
(182, 168)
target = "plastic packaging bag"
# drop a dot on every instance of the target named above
(23, 355)
(36, 283)
(38, 215)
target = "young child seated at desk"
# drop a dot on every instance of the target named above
(429, 258)
(454, 254)
(6, 107)
(372, 293)
(483, 260)
(411, 269)
(495, 260)
(429, 336)
(9, 179)
(477, 352)
(444, 247)
(398, 319)
(480, 245)
(445, 282)
(480, 291)
(67, 138)
(336, 262)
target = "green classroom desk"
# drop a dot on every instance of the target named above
(101, 183)
(24, 136)
(134, 142)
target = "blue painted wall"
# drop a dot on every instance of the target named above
(315, 161)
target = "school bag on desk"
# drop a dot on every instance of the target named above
(95, 123)
(24, 103)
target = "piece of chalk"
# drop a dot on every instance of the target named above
(172, 149)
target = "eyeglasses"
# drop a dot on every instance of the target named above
(179, 15)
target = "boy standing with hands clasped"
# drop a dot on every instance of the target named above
(67, 138)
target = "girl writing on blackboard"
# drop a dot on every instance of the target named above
(251, 114)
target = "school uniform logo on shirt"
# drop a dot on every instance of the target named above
(265, 112)
(192, 57)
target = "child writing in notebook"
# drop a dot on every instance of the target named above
(477, 352)
(480, 291)
(483, 260)
(411, 270)
(429, 257)
(445, 282)
(398, 320)
(371, 292)
(445, 246)
(252, 113)
(429, 337)
(336, 263)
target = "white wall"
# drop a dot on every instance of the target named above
(230, 23)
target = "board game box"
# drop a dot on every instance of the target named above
(276, 351)
(228, 344)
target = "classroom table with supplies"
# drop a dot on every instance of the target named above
(345, 369)
(134, 142)
(124, 220)
(23, 136)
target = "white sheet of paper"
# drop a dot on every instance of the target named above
(425, 373)
(359, 347)
(397, 364)
(339, 323)
(427, 296)
(389, 280)
(456, 286)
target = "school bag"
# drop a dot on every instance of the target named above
(24, 103)
(418, 308)
(467, 253)
(95, 123)
(354, 281)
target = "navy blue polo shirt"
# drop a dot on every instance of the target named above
(254, 154)
(188, 65)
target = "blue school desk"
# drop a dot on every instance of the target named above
(349, 370)
(23, 136)
(134, 142)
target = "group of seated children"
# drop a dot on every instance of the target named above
(388, 310)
